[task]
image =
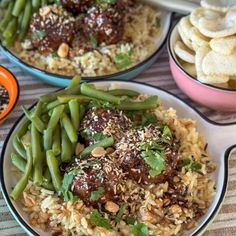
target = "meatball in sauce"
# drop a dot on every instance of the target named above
(76, 6)
(51, 27)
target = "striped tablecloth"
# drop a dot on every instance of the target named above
(158, 75)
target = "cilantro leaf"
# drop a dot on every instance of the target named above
(167, 132)
(141, 118)
(121, 212)
(152, 146)
(66, 182)
(189, 164)
(100, 104)
(95, 195)
(140, 229)
(98, 220)
(38, 34)
(158, 22)
(122, 60)
(155, 160)
(93, 41)
(87, 133)
(196, 166)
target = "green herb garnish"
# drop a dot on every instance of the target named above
(121, 212)
(196, 166)
(95, 195)
(140, 229)
(158, 22)
(155, 160)
(189, 164)
(166, 132)
(153, 145)
(141, 118)
(38, 34)
(122, 60)
(93, 41)
(98, 220)
(87, 133)
(67, 180)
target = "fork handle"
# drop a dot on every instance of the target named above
(179, 6)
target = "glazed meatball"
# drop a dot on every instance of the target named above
(129, 151)
(104, 24)
(96, 173)
(76, 6)
(105, 120)
(51, 27)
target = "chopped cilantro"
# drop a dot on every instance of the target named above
(140, 229)
(158, 22)
(95, 195)
(167, 132)
(121, 212)
(189, 164)
(38, 34)
(98, 220)
(130, 220)
(67, 180)
(142, 118)
(87, 133)
(186, 162)
(196, 166)
(54, 54)
(93, 41)
(99, 104)
(155, 160)
(122, 60)
(152, 146)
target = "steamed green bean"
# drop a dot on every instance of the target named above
(123, 92)
(18, 162)
(47, 138)
(80, 98)
(56, 145)
(18, 146)
(67, 150)
(7, 16)
(70, 130)
(74, 82)
(106, 142)
(53, 166)
(36, 4)
(18, 7)
(22, 183)
(56, 115)
(74, 113)
(11, 29)
(92, 92)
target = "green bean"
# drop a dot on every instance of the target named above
(74, 82)
(36, 4)
(67, 150)
(91, 92)
(18, 7)
(106, 142)
(56, 144)
(9, 41)
(149, 103)
(25, 20)
(34, 119)
(11, 29)
(52, 105)
(82, 111)
(48, 186)
(38, 108)
(45, 118)
(47, 139)
(74, 113)
(22, 130)
(18, 162)
(53, 96)
(56, 115)
(18, 146)
(22, 183)
(70, 130)
(53, 167)
(38, 155)
(123, 92)
(46, 175)
(20, 18)
(67, 98)
(7, 17)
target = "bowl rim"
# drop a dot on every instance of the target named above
(171, 55)
(2, 118)
(100, 77)
(199, 231)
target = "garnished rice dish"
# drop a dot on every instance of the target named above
(89, 38)
(125, 166)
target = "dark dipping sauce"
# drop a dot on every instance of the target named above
(4, 98)
(110, 171)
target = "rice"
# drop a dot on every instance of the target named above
(139, 40)
(169, 208)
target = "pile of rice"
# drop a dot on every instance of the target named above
(162, 207)
(139, 41)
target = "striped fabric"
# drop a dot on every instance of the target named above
(158, 75)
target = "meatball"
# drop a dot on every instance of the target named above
(97, 173)
(129, 152)
(104, 24)
(76, 6)
(105, 120)
(51, 27)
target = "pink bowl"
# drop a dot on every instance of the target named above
(221, 99)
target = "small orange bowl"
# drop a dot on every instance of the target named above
(8, 80)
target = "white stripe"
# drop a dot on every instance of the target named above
(12, 231)
(8, 224)
(222, 225)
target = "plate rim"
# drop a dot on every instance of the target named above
(198, 231)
